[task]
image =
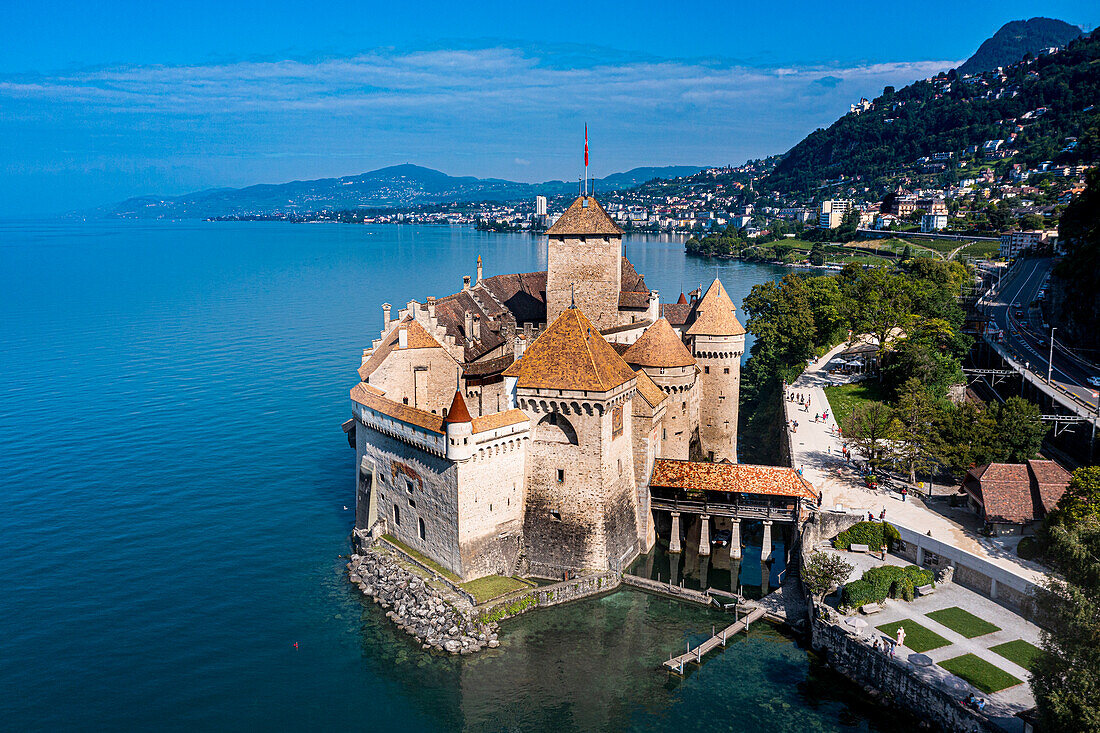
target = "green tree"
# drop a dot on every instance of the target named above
(1082, 498)
(1030, 221)
(868, 427)
(1019, 431)
(876, 302)
(964, 436)
(825, 572)
(913, 432)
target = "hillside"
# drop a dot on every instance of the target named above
(395, 186)
(1033, 107)
(1017, 38)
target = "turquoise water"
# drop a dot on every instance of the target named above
(174, 480)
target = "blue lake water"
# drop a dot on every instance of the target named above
(173, 482)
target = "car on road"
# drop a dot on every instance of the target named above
(721, 538)
(1094, 381)
(1016, 304)
(1019, 313)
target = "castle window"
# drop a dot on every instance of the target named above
(490, 507)
(664, 434)
(555, 515)
(412, 503)
(726, 370)
(409, 485)
(706, 370)
(396, 515)
(404, 400)
(561, 475)
(421, 528)
(620, 463)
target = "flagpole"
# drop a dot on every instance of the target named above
(586, 160)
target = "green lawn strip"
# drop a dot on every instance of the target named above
(980, 673)
(845, 397)
(917, 638)
(494, 586)
(422, 558)
(963, 622)
(1019, 651)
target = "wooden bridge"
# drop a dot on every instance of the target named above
(676, 664)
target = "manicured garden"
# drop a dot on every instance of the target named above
(980, 673)
(494, 586)
(917, 638)
(963, 622)
(1019, 651)
(846, 397)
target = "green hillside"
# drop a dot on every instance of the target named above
(1017, 38)
(949, 113)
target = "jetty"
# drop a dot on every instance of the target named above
(676, 664)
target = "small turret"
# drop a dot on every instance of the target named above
(460, 429)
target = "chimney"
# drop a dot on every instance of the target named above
(478, 269)
(431, 307)
(386, 317)
(465, 282)
(477, 328)
(468, 326)
(519, 346)
(527, 331)
(403, 338)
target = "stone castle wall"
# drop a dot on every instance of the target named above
(719, 393)
(589, 270)
(490, 506)
(426, 378)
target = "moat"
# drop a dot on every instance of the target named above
(171, 543)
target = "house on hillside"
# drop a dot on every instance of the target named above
(1012, 497)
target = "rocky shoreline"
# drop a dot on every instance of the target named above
(417, 607)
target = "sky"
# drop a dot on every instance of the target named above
(104, 100)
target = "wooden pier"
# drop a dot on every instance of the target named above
(676, 664)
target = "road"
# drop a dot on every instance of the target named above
(1026, 336)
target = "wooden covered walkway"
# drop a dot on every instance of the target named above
(676, 664)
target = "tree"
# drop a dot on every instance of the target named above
(867, 427)
(1030, 222)
(1066, 675)
(876, 302)
(914, 417)
(1082, 498)
(825, 572)
(964, 436)
(1019, 431)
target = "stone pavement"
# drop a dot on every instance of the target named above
(816, 449)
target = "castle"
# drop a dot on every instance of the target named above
(514, 426)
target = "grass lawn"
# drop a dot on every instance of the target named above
(917, 638)
(422, 558)
(845, 397)
(494, 586)
(963, 622)
(1019, 651)
(980, 673)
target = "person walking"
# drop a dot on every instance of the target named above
(904, 492)
(901, 636)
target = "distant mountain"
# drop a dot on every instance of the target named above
(395, 186)
(1017, 38)
(1033, 110)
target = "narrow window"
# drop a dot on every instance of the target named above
(555, 515)
(404, 400)
(726, 370)
(620, 464)
(396, 515)
(664, 434)
(420, 526)
(412, 503)
(490, 507)
(706, 370)
(409, 485)
(561, 475)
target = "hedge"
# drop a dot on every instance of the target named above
(871, 534)
(886, 581)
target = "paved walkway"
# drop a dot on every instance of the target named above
(816, 448)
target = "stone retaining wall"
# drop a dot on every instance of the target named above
(549, 595)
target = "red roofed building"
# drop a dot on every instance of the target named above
(1011, 497)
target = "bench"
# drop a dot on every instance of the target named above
(868, 608)
(859, 548)
(926, 590)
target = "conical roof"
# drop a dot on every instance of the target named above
(659, 346)
(584, 216)
(682, 300)
(571, 354)
(458, 411)
(714, 316)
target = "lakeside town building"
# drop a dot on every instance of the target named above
(513, 427)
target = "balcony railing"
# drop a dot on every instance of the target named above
(740, 510)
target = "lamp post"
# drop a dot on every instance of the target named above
(1050, 361)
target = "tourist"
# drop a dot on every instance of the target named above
(901, 636)
(882, 515)
(800, 471)
(981, 704)
(884, 549)
(870, 517)
(904, 492)
(970, 700)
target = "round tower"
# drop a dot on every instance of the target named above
(718, 342)
(661, 354)
(459, 427)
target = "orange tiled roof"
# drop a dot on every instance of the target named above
(499, 420)
(738, 477)
(1051, 481)
(659, 346)
(418, 338)
(715, 314)
(582, 219)
(458, 412)
(571, 354)
(649, 390)
(396, 410)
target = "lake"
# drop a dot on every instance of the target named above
(177, 496)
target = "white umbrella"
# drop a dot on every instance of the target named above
(855, 623)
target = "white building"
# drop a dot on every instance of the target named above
(933, 222)
(1013, 243)
(540, 206)
(833, 212)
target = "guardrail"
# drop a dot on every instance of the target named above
(741, 511)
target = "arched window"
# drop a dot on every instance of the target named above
(554, 428)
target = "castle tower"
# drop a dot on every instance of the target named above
(717, 342)
(458, 425)
(664, 358)
(584, 264)
(582, 508)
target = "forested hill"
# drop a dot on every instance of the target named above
(1017, 39)
(1040, 101)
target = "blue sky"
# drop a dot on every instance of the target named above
(100, 101)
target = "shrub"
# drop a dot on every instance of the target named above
(886, 581)
(871, 534)
(1029, 548)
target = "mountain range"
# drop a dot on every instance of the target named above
(394, 186)
(1016, 39)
